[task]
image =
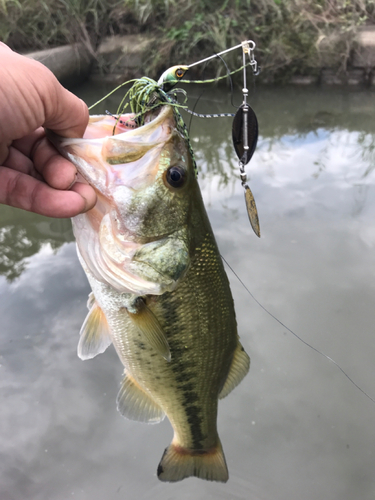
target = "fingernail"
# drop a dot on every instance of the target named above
(72, 184)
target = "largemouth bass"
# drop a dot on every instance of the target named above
(159, 290)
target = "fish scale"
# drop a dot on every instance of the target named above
(160, 292)
(186, 346)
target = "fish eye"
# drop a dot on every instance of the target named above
(180, 73)
(176, 176)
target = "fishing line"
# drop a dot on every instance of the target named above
(199, 115)
(297, 336)
(230, 81)
(192, 113)
(110, 93)
(213, 115)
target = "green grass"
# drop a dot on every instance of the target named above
(292, 36)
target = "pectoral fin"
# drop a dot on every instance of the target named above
(90, 300)
(95, 337)
(238, 369)
(134, 403)
(150, 327)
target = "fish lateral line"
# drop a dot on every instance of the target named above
(297, 336)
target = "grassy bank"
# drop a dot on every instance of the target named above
(292, 36)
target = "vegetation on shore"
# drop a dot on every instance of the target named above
(292, 36)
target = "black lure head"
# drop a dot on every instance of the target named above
(248, 121)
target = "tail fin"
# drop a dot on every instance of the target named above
(178, 463)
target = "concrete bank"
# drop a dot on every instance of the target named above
(118, 58)
(121, 58)
(71, 64)
(361, 65)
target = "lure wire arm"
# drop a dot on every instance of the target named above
(245, 109)
(249, 43)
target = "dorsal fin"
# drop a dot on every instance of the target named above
(136, 404)
(238, 369)
(95, 336)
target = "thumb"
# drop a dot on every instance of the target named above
(65, 113)
(33, 97)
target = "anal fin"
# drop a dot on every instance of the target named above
(238, 369)
(94, 335)
(135, 404)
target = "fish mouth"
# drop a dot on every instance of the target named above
(117, 152)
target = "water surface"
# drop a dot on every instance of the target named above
(295, 427)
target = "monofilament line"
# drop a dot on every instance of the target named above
(297, 336)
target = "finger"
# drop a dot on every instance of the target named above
(18, 154)
(49, 165)
(4, 151)
(28, 143)
(65, 113)
(57, 171)
(16, 160)
(87, 192)
(34, 98)
(4, 47)
(22, 191)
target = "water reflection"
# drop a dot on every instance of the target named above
(294, 428)
(23, 234)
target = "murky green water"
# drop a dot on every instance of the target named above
(295, 428)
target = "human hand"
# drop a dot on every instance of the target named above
(33, 175)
